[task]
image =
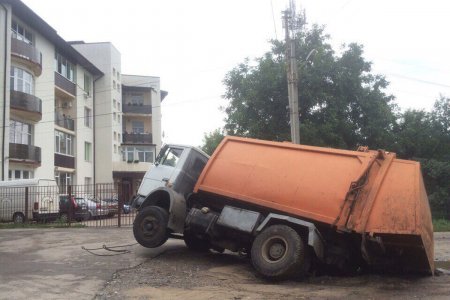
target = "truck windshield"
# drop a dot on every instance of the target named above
(171, 157)
(161, 154)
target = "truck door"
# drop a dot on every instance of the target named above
(161, 173)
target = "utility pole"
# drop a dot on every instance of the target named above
(292, 73)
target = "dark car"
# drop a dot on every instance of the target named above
(73, 207)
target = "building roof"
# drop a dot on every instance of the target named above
(37, 23)
(140, 82)
(149, 82)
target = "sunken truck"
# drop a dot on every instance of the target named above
(289, 207)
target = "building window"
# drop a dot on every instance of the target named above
(87, 84)
(114, 71)
(115, 148)
(65, 67)
(87, 117)
(63, 143)
(87, 151)
(118, 87)
(137, 99)
(63, 180)
(142, 154)
(21, 80)
(114, 84)
(118, 75)
(118, 105)
(118, 118)
(20, 33)
(114, 116)
(87, 180)
(114, 103)
(115, 135)
(19, 133)
(20, 174)
(119, 138)
(137, 126)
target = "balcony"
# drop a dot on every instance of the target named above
(28, 54)
(137, 138)
(67, 86)
(24, 153)
(64, 122)
(137, 109)
(26, 105)
(64, 161)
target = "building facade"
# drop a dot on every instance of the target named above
(128, 118)
(61, 107)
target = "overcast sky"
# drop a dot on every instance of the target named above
(192, 44)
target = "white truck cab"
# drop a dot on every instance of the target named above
(170, 180)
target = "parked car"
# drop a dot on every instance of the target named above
(126, 209)
(113, 206)
(95, 208)
(75, 208)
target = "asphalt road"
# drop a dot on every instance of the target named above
(50, 264)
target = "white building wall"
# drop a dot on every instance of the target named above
(44, 130)
(156, 119)
(105, 57)
(84, 133)
(5, 47)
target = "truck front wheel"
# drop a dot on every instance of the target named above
(150, 226)
(279, 252)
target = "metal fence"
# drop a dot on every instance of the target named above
(99, 205)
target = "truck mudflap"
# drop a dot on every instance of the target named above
(315, 239)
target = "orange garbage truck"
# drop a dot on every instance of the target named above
(289, 207)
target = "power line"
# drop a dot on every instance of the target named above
(419, 80)
(274, 23)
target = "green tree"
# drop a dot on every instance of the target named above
(212, 140)
(425, 136)
(341, 103)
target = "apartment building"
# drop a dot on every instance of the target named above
(61, 108)
(128, 118)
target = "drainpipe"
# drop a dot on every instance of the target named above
(4, 92)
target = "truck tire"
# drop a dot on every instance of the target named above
(150, 226)
(194, 243)
(279, 252)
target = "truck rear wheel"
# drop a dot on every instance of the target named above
(279, 252)
(150, 226)
(194, 243)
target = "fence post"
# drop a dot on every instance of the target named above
(69, 192)
(119, 204)
(26, 204)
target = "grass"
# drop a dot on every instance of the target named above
(440, 225)
(39, 225)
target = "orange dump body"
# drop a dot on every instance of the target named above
(365, 192)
